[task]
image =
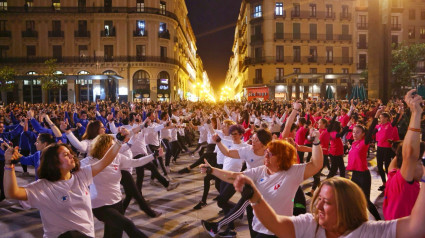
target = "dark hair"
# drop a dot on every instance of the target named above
(92, 130)
(386, 114)
(237, 128)
(399, 154)
(46, 138)
(361, 127)
(163, 114)
(324, 121)
(302, 121)
(132, 116)
(336, 126)
(264, 136)
(83, 112)
(49, 163)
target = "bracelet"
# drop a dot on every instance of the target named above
(52, 125)
(257, 202)
(414, 129)
(11, 168)
(209, 170)
(218, 140)
(423, 179)
(318, 143)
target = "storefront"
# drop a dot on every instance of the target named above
(141, 86)
(163, 86)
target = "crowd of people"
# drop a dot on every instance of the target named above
(83, 153)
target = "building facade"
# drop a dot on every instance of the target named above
(297, 49)
(105, 49)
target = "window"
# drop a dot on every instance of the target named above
(313, 54)
(362, 61)
(279, 53)
(296, 29)
(83, 52)
(107, 4)
(162, 27)
(362, 21)
(313, 31)
(279, 9)
(313, 10)
(296, 11)
(345, 71)
(140, 52)
(56, 5)
(279, 30)
(279, 75)
(362, 41)
(30, 50)
(56, 26)
(412, 14)
(257, 11)
(329, 11)
(345, 55)
(82, 27)
(423, 15)
(329, 32)
(258, 53)
(140, 6)
(3, 5)
(411, 32)
(109, 29)
(2, 25)
(258, 76)
(140, 28)
(109, 52)
(163, 52)
(394, 40)
(81, 5)
(57, 52)
(329, 70)
(344, 11)
(3, 51)
(329, 54)
(162, 7)
(29, 3)
(297, 71)
(297, 53)
(30, 25)
(313, 70)
(422, 33)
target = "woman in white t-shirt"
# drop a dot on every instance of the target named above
(278, 179)
(61, 193)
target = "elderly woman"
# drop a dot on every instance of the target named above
(61, 193)
(278, 179)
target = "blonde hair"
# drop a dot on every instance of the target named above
(100, 146)
(229, 122)
(350, 202)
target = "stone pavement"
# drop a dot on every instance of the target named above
(178, 218)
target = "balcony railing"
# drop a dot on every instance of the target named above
(319, 37)
(257, 38)
(140, 33)
(345, 16)
(345, 37)
(81, 33)
(361, 66)
(279, 79)
(298, 59)
(258, 80)
(256, 15)
(362, 45)
(164, 34)
(312, 15)
(56, 34)
(283, 15)
(5, 33)
(396, 27)
(109, 33)
(362, 26)
(29, 34)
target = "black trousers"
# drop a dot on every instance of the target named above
(364, 180)
(301, 156)
(316, 177)
(182, 141)
(337, 162)
(300, 203)
(168, 153)
(237, 211)
(153, 148)
(211, 158)
(116, 222)
(131, 191)
(140, 171)
(383, 155)
(176, 149)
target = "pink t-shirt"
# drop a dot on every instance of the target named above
(300, 136)
(350, 133)
(357, 157)
(324, 140)
(337, 148)
(385, 133)
(344, 120)
(400, 196)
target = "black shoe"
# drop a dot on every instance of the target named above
(156, 214)
(210, 228)
(228, 233)
(184, 171)
(216, 198)
(382, 188)
(200, 205)
(221, 212)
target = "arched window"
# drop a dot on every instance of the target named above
(83, 72)
(32, 73)
(109, 72)
(141, 80)
(163, 75)
(58, 72)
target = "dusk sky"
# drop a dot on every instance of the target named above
(213, 22)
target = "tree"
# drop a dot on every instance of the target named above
(50, 79)
(404, 62)
(7, 81)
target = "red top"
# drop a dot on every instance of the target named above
(357, 157)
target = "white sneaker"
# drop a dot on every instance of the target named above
(172, 186)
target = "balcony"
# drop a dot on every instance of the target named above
(82, 34)
(279, 79)
(295, 14)
(280, 15)
(361, 66)
(30, 33)
(257, 39)
(164, 34)
(330, 15)
(108, 33)
(139, 33)
(298, 59)
(258, 80)
(56, 34)
(256, 15)
(345, 37)
(396, 27)
(362, 45)
(345, 16)
(278, 36)
(5, 33)
(362, 26)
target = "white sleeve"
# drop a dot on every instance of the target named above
(158, 128)
(243, 152)
(81, 146)
(113, 128)
(126, 162)
(305, 226)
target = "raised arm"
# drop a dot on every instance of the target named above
(281, 226)
(11, 188)
(234, 154)
(290, 120)
(224, 175)
(54, 128)
(316, 162)
(107, 158)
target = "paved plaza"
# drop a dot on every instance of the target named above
(178, 218)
